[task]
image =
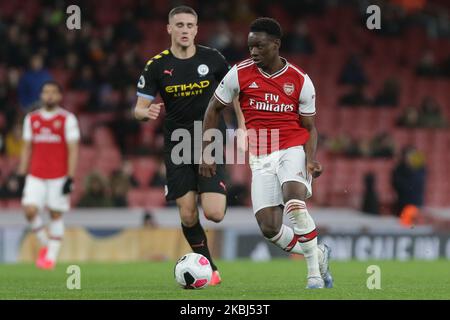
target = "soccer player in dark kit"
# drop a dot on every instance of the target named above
(185, 76)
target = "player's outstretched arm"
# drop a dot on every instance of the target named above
(73, 148)
(313, 166)
(207, 167)
(25, 156)
(146, 110)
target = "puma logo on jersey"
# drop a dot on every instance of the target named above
(169, 72)
(253, 85)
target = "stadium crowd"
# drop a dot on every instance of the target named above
(372, 85)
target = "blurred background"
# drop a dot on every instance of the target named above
(383, 112)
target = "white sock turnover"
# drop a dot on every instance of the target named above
(37, 226)
(56, 232)
(287, 240)
(305, 230)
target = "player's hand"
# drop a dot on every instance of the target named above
(314, 168)
(68, 185)
(207, 170)
(153, 110)
(149, 112)
(241, 140)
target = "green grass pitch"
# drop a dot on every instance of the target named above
(243, 279)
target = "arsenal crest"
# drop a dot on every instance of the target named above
(288, 88)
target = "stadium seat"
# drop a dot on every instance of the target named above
(239, 173)
(146, 198)
(62, 76)
(144, 169)
(75, 100)
(13, 204)
(103, 137)
(108, 160)
(155, 197)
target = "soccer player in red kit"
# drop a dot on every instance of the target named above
(49, 158)
(278, 104)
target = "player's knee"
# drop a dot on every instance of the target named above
(55, 215)
(30, 212)
(269, 230)
(294, 190)
(188, 216)
(214, 215)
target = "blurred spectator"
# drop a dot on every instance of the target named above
(11, 188)
(95, 192)
(85, 80)
(427, 65)
(13, 141)
(120, 184)
(237, 49)
(242, 12)
(370, 198)
(221, 37)
(353, 149)
(128, 171)
(408, 179)
(159, 179)
(149, 220)
(14, 52)
(232, 46)
(125, 128)
(127, 29)
(299, 41)
(382, 146)
(392, 21)
(409, 118)
(31, 82)
(337, 145)
(389, 94)
(356, 97)
(353, 72)
(430, 114)
(364, 148)
(344, 145)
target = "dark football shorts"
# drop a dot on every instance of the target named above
(182, 178)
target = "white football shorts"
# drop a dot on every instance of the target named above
(45, 193)
(270, 171)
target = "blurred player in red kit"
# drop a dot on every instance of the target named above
(48, 160)
(277, 100)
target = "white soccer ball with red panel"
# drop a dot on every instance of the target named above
(193, 271)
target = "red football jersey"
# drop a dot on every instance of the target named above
(49, 133)
(271, 104)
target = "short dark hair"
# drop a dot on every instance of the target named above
(52, 83)
(267, 25)
(182, 9)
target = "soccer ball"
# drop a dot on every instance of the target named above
(193, 271)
